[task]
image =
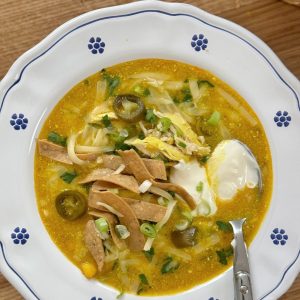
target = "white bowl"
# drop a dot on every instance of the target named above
(147, 29)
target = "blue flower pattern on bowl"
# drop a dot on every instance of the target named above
(20, 236)
(95, 298)
(282, 119)
(278, 236)
(18, 121)
(199, 42)
(96, 45)
(212, 298)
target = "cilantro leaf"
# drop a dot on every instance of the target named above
(68, 177)
(149, 254)
(56, 138)
(151, 117)
(224, 254)
(106, 121)
(224, 226)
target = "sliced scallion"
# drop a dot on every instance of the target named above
(148, 230)
(214, 118)
(122, 231)
(101, 225)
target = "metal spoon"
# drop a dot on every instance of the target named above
(241, 270)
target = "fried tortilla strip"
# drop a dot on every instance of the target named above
(106, 176)
(155, 167)
(136, 165)
(59, 153)
(94, 243)
(136, 240)
(103, 186)
(112, 222)
(166, 186)
(146, 211)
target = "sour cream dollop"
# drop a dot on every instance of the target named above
(189, 176)
(231, 168)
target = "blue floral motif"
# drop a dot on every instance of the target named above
(212, 298)
(278, 236)
(199, 42)
(282, 119)
(95, 298)
(20, 236)
(96, 45)
(18, 121)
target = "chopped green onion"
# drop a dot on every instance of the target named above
(165, 123)
(181, 144)
(102, 225)
(149, 254)
(187, 96)
(106, 121)
(68, 177)
(224, 226)
(214, 118)
(204, 159)
(182, 225)
(57, 139)
(148, 230)
(169, 265)
(122, 231)
(151, 117)
(188, 215)
(199, 187)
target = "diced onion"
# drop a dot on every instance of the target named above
(71, 150)
(110, 208)
(194, 89)
(120, 169)
(122, 231)
(100, 89)
(145, 186)
(162, 201)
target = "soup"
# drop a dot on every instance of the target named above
(140, 167)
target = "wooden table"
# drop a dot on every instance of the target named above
(24, 23)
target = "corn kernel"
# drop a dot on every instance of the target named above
(88, 269)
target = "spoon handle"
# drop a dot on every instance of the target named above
(242, 281)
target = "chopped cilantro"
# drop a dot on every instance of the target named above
(68, 177)
(224, 226)
(112, 82)
(166, 123)
(149, 254)
(182, 145)
(224, 254)
(57, 139)
(151, 117)
(169, 265)
(106, 121)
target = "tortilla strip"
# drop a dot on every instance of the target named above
(136, 165)
(60, 153)
(155, 167)
(146, 211)
(112, 222)
(103, 186)
(94, 243)
(106, 176)
(178, 190)
(136, 240)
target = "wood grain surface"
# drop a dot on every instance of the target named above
(25, 22)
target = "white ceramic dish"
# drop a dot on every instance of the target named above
(39, 78)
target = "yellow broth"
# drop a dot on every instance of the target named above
(68, 117)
